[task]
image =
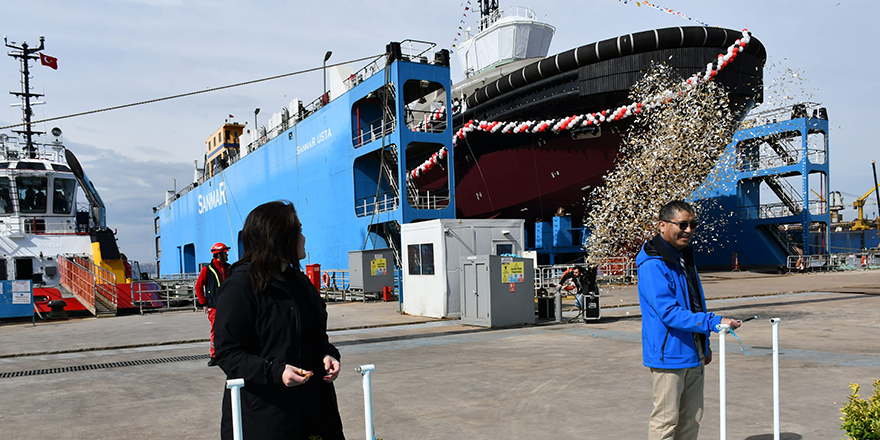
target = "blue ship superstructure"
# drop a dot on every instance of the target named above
(770, 198)
(344, 163)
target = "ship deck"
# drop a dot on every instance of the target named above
(543, 381)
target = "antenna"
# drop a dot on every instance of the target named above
(24, 54)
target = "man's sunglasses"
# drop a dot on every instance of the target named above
(684, 225)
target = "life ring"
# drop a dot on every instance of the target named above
(864, 261)
(800, 264)
(326, 279)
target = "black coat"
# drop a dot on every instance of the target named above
(255, 335)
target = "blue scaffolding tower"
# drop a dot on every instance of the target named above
(779, 203)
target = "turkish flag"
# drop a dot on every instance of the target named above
(46, 60)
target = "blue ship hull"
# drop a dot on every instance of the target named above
(325, 166)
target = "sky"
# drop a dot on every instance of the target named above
(115, 52)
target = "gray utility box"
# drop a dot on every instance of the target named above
(371, 270)
(497, 291)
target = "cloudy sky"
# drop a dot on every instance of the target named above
(114, 52)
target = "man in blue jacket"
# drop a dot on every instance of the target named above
(675, 324)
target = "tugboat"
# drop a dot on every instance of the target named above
(509, 77)
(46, 236)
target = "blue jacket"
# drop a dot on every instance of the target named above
(668, 324)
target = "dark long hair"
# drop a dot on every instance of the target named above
(270, 236)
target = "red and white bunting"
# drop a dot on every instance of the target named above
(428, 164)
(587, 120)
(430, 119)
(597, 118)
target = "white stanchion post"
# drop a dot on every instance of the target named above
(774, 322)
(722, 377)
(365, 371)
(234, 386)
(558, 305)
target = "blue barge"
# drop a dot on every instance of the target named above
(341, 161)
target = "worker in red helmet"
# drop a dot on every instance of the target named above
(208, 283)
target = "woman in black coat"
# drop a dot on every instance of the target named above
(271, 330)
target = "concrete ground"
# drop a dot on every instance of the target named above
(145, 376)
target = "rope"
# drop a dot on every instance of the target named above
(183, 95)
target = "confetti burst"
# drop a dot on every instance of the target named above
(667, 155)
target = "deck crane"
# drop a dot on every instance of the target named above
(860, 224)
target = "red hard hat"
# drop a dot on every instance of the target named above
(219, 247)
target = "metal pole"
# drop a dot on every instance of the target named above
(775, 325)
(234, 386)
(558, 305)
(365, 371)
(324, 74)
(876, 190)
(722, 378)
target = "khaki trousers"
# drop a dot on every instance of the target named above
(678, 403)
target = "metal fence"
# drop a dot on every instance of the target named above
(612, 270)
(838, 261)
(175, 292)
(336, 286)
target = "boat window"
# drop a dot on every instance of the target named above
(4, 165)
(30, 166)
(31, 193)
(59, 167)
(62, 198)
(5, 198)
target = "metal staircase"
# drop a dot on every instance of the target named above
(784, 149)
(780, 237)
(92, 285)
(788, 195)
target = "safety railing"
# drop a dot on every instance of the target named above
(176, 292)
(776, 210)
(836, 261)
(611, 270)
(430, 199)
(335, 285)
(617, 270)
(372, 131)
(426, 121)
(385, 202)
(88, 282)
(13, 148)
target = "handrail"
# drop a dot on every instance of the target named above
(372, 131)
(78, 281)
(88, 282)
(386, 201)
(432, 199)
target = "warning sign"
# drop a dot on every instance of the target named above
(378, 267)
(513, 272)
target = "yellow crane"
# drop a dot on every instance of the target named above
(860, 224)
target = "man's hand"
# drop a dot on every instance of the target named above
(294, 376)
(331, 368)
(207, 310)
(709, 357)
(732, 323)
